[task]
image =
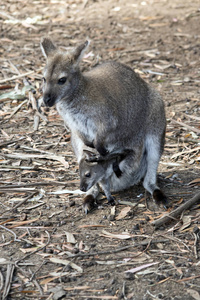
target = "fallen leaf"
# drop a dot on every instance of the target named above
(70, 238)
(194, 294)
(122, 236)
(66, 263)
(123, 213)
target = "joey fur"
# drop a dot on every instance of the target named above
(100, 175)
(109, 108)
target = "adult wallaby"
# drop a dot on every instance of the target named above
(109, 108)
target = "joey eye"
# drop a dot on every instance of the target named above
(62, 80)
(44, 79)
(87, 174)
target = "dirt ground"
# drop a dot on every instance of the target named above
(49, 249)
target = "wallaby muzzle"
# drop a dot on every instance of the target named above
(48, 101)
(83, 188)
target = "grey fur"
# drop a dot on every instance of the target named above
(109, 108)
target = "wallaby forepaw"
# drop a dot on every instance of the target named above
(160, 198)
(117, 170)
(102, 150)
(88, 204)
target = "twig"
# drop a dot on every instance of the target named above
(182, 139)
(11, 186)
(186, 126)
(18, 76)
(17, 108)
(174, 214)
(15, 237)
(1, 283)
(11, 142)
(33, 156)
(9, 275)
(23, 201)
(124, 290)
(17, 190)
(143, 243)
(195, 245)
(37, 250)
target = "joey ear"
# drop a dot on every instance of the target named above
(92, 157)
(47, 47)
(79, 52)
(88, 154)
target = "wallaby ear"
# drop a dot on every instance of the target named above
(47, 47)
(79, 52)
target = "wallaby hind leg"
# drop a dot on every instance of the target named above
(154, 150)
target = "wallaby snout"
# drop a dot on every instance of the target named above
(83, 187)
(48, 101)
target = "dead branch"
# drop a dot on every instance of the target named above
(174, 214)
(143, 243)
(19, 76)
(9, 275)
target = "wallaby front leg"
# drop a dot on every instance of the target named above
(105, 184)
(99, 144)
(90, 198)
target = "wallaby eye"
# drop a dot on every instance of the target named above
(44, 79)
(62, 80)
(87, 174)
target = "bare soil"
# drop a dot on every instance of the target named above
(49, 249)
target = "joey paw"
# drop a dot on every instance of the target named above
(117, 170)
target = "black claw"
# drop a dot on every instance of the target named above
(111, 201)
(160, 198)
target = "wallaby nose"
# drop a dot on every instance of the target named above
(83, 188)
(48, 100)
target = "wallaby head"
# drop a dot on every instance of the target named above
(91, 172)
(61, 74)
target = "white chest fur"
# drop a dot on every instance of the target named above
(77, 122)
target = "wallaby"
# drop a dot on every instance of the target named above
(96, 173)
(109, 108)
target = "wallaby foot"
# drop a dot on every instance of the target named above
(160, 198)
(111, 200)
(88, 203)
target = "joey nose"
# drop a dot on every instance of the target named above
(83, 188)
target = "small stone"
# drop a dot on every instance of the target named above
(72, 203)
(129, 276)
(136, 227)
